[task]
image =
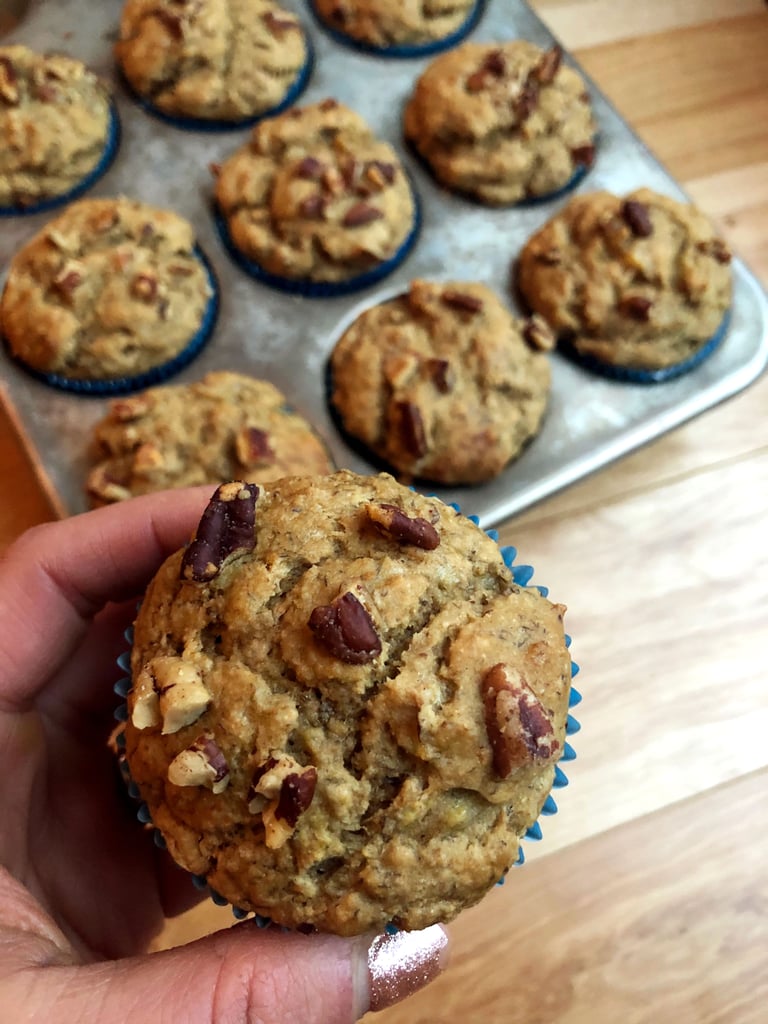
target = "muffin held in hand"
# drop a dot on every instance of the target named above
(344, 711)
(315, 203)
(502, 122)
(110, 296)
(401, 27)
(212, 60)
(222, 427)
(58, 132)
(635, 287)
(442, 383)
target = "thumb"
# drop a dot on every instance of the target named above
(244, 975)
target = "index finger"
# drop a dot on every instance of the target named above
(56, 577)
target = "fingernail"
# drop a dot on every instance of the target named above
(403, 963)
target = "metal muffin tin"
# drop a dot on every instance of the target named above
(288, 339)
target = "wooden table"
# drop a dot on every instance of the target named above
(648, 899)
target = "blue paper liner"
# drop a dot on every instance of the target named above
(320, 289)
(111, 146)
(521, 575)
(403, 50)
(631, 375)
(147, 378)
(212, 124)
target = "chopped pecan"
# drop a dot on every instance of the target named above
(333, 182)
(494, 65)
(281, 791)
(310, 168)
(182, 695)
(201, 764)
(346, 629)
(313, 206)
(637, 217)
(551, 257)
(277, 25)
(636, 307)
(527, 100)
(717, 249)
(440, 374)
(462, 300)
(361, 214)
(539, 334)
(171, 22)
(44, 92)
(412, 530)
(104, 487)
(68, 280)
(549, 65)
(147, 458)
(329, 104)
(519, 728)
(226, 526)
(296, 795)
(380, 173)
(584, 156)
(124, 410)
(252, 447)
(144, 287)
(410, 428)
(9, 87)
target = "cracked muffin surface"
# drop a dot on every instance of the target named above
(641, 281)
(344, 711)
(108, 289)
(54, 125)
(315, 195)
(385, 23)
(501, 122)
(211, 59)
(443, 383)
(225, 426)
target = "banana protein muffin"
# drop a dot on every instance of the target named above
(401, 27)
(109, 296)
(58, 129)
(637, 287)
(442, 383)
(502, 122)
(212, 61)
(223, 427)
(315, 203)
(344, 711)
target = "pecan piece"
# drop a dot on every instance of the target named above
(281, 790)
(104, 487)
(411, 428)
(637, 217)
(147, 458)
(346, 629)
(296, 795)
(171, 23)
(310, 168)
(124, 410)
(584, 156)
(462, 300)
(551, 257)
(201, 764)
(144, 287)
(494, 65)
(380, 173)
(9, 87)
(253, 448)
(527, 100)
(277, 25)
(394, 523)
(549, 65)
(329, 104)
(313, 207)
(68, 280)
(441, 374)
(226, 526)
(361, 214)
(717, 249)
(182, 697)
(518, 726)
(636, 307)
(539, 334)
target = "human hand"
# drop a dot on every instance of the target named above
(82, 888)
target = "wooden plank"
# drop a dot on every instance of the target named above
(662, 920)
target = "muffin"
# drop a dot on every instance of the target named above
(58, 129)
(345, 713)
(398, 28)
(212, 63)
(110, 296)
(222, 427)
(636, 287)
(442, 382)
(315, 203)
(502, 122)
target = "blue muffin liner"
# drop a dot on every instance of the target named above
(111, 146)
(321, 289)
(157, 374)
(631, 375)
(206, 124)
(403, 50)
(521, 575)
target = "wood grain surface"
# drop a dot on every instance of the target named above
(647, 900)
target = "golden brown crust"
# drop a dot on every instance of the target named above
(395, 22)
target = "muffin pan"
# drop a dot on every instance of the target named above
(287, 339)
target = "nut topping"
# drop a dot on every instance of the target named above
(69, 278)
(171, 22)
(637, 217)
(202, 764)
(182, 696)
(717, 249)
(636, 307)
(346, 630)
(144, 287)
(441, 374)
(525, 103)
(360, 214)
(124, 410)
(278, 26)
(493, 66)
(410, 427)
(310, 168)
(226, 526)
(104, 487)
(549, 65)
(462, 300)
(313, 206)
(147, 458)
(296, 795)
(253, 448)
(393, 522)
(519, 727)
(9, 88)
(584, 156)
(539, 334)
(281, 790)
(380, 173)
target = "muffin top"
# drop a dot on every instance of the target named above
(383, 23)
(222, 427)
(108, 289)
(213, 59)
(315, 195)
(641, 281)
(443, 383)
(344, 711)
(501, 121)
(54, 123)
